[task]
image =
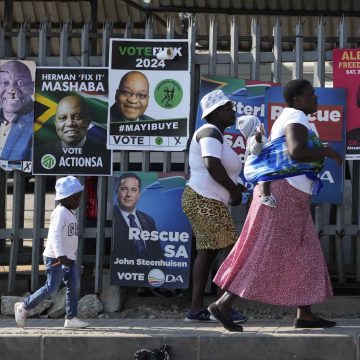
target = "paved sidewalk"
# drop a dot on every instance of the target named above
(117, 339)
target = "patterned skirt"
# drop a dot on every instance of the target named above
(278, 257)
(210, 220)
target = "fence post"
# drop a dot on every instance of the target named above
(105, 44)
(3, 196)
(2, 41)
(85, 45)
(64, 43)
(149, 33)
(100, 233)
(21, 42)
(38, 224)
(276, 66)
(81, 215)
(255, 49)
(17, 223)
(234, 46)
(319, 66)
(212, 44)
(43, 43)
(343, 33)
(298, 69)
(170, 30)
(194, 84)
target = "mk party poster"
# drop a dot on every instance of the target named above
(149, 94)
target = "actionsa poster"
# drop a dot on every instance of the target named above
(151, 242)
(346, 71)
(149, 95)
(329, 123)
(70, 122)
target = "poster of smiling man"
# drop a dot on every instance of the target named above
(149, 92)
(151, 242)
(70, 122)
(16, 114)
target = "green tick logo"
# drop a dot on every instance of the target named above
(48, 161)
(168, 94)
(159, 140)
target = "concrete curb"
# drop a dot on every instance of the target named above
(117, 339)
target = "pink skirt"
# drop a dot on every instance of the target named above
(278, 257)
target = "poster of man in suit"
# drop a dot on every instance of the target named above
(70, 122)
(149, 248)
(16, 113)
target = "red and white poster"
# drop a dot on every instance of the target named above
(346, 69)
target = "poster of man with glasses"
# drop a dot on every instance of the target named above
(149, 95)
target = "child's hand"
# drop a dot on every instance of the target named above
(258, 136)
(64, 260)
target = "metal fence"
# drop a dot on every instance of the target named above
(338, 226)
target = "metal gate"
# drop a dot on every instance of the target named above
(338, 226)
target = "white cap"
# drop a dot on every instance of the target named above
(247, 124)
(212, 101)
(67, 186)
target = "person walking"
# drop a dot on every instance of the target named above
(212, 185)
(278, 257)
(60, 255)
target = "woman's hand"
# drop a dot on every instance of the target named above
(333, 154)
(236, 195)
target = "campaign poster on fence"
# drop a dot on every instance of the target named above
(346, 74)
(16, 114)
(250, 98)
(329, 123)
(149, 94)
(70, 122)
(151, 242)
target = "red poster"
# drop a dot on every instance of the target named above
(346, 69)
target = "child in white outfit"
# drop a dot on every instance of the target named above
(253, 130)
(60, 255)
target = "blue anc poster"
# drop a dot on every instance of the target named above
(151, 242)
(250, 98)
(329, 122)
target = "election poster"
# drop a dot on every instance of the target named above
(149, 92)
(249, 96)
(346, 74)
(329, 123)
(16, 114)
(151, 242)
(70, 122)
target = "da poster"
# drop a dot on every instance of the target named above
(329, 123)
(149, 92)
(16, 114)
(151, 242)
(249, 96)
(70, 122)
(346, 74)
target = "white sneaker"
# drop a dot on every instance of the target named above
(269, 200)
(75, 323)
(20, 314)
